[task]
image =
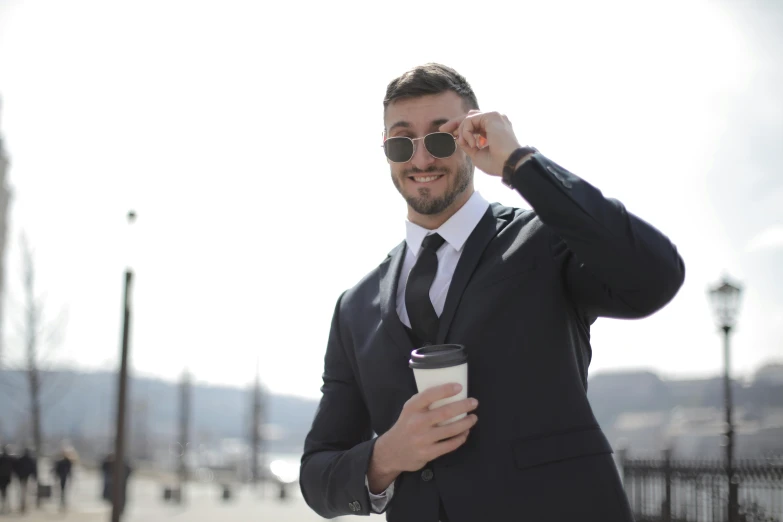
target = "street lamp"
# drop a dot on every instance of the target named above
(725, 299)
(118, 473)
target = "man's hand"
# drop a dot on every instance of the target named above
(486, 137)
(416, 439)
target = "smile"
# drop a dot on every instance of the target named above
(425, 179)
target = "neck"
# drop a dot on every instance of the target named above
(434, 221)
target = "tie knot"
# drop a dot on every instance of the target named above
(432, 242)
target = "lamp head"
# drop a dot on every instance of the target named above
(725, 298)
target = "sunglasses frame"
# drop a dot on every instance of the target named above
(414, 140)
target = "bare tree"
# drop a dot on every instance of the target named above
(5, 197)
(33, 315)
(40, 338)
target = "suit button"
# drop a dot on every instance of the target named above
(427, 475)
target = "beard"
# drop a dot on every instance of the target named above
(423, 202)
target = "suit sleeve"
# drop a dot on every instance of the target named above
(613, 263)
(339, 446)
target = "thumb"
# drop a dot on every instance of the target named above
(471, 151)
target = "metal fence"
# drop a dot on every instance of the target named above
(666, 490)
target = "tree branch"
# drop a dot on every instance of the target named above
(53, 336)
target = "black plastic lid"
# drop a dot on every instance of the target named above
(438, 356)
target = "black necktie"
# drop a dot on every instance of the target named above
(424, 320)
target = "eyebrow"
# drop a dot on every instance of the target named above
(406, 125)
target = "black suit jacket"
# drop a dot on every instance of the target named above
(525, 291)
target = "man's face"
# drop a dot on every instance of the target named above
(430, 185)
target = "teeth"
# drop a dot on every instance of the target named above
(425, 179)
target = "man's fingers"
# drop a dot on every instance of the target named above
(467, 129)
(450, 410)
(455, 428)
(422, 400)
(448, 445)
(451, 125)
(454, 127)
(463, 144)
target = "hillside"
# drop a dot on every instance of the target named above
(636, 406)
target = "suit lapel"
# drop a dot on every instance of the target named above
(491, 223)
(390, 275)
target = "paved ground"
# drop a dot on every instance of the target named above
(145, 504)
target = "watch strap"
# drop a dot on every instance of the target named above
(510, 166)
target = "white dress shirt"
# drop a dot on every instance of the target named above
(456, 232)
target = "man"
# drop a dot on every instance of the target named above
(6, 472)
(519, 289)
(107, 469)
(25, 467)
(62, 469)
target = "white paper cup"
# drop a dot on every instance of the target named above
(441, 364)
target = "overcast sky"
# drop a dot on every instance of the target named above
(247, 138)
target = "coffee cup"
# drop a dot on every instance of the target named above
(441, 364)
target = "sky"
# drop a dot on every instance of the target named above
(247, 138)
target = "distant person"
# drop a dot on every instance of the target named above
(63, 468)
(107, 469)
(25, 467)
(6, 472)
(106, 474)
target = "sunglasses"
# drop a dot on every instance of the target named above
(401, 149)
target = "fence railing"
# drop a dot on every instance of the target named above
(666, 490)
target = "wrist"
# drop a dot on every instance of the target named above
(381, 472)
(382, 461)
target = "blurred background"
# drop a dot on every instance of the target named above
(246, 138)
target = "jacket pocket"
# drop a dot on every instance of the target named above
(560, 446)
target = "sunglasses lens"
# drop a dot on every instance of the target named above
(398, 150)
(440, 144)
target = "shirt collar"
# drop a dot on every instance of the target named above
(455, 231)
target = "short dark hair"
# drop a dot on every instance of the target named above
(430, 78)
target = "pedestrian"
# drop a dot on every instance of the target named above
(107, 469)
(518, 289)
(25, 467)
(63, 468)
(6, 472)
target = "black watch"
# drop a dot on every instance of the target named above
(510, 166)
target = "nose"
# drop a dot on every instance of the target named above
(421, 159)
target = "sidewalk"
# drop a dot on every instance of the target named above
(51, 515)
(145, 504)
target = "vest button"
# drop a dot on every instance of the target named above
(427, 475)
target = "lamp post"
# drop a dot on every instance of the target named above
(118, 472)
(725, 298)
(184, 431)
